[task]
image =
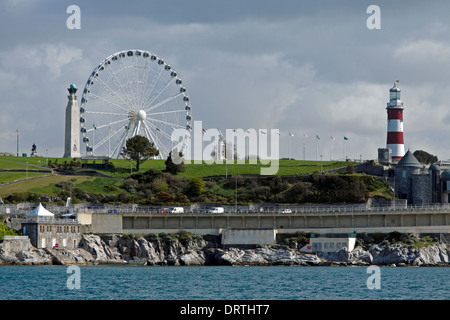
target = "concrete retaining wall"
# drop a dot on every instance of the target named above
(248, 236)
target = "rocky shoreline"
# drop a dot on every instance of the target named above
(153, 250)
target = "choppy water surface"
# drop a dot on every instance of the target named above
(221, 283)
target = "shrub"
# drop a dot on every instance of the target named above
(110, 187)
(159, 184)
(196, 187)
(65, 185)
(164, 197)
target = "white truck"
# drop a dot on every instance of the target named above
(216, 210)
(176, 210)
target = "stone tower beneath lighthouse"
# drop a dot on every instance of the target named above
(72, 134)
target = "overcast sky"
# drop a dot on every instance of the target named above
(304, 67)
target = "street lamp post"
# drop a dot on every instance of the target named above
(27, 170)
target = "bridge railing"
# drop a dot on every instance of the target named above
(228, 209)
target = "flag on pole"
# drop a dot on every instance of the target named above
(345, 138)
(317, 137)
(332, 138)
(203, 129)
(263, 132)
(94, 126)
(306, 136)
(291, 134)
(278, 133)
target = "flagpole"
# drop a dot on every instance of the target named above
(344, 148)
(290, 146)
(304, 150)
(304, 146)
(317, 146)
(345, 139)
(290, 154)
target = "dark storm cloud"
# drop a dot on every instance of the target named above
(301, 66)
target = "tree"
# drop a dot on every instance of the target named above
(196, 186)
(139, 149)
(177, 166)
(424, 157)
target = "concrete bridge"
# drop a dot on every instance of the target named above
(265, 226)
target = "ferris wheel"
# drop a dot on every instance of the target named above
(133, 92)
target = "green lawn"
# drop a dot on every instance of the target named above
(285, 167)
(122, 169)
(12, 176)
(21, 162)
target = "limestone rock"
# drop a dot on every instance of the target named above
(266, 255)
(22, 253)
(101, 252)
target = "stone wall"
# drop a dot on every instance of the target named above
(16, 243)
(421, 189)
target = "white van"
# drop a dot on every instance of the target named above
(216, 210)
(176, 210)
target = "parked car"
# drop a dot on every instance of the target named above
(165, 210)
(216, 210)
(176, 210)
(285, 211)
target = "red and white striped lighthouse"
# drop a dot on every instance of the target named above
(394, 109)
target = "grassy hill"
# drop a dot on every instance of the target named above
(198, 183)
(122, 168)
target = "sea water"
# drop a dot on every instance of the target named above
(222, 283)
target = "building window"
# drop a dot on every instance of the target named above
(404, 174)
